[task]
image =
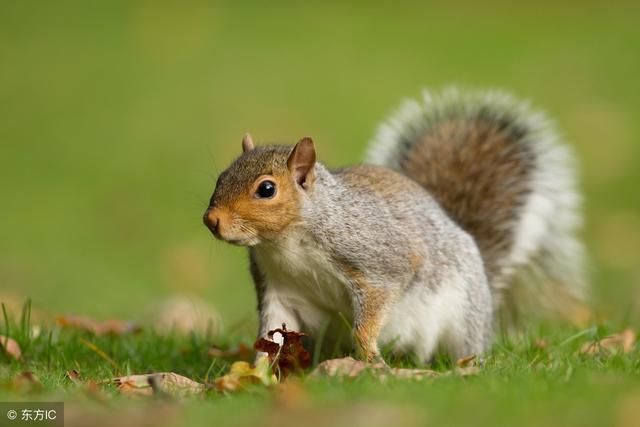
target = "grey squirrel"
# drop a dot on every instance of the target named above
(464, 198)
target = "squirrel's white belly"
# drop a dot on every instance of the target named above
(305, 282)
(426, 320)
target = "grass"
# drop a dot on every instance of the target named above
(116, 118)
(521, 381)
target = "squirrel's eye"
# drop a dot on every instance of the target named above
(266, 190)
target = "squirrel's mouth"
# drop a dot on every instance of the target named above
(242, 242)
(236, 240)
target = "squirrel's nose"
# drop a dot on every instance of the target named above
(211, 220)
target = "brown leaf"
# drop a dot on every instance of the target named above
(242, 374)
(289, 357)
(107, 327)
(627, 410)
(541, 343)
(467, 372)
(350, 368)
(466, 361)
(26, 382)
(11, 347)
(624, 342)
(186, 315)
(153, 413)
(27, 377)
(357, 413)
(93, 389)
(267, 346)
(241, 352)
(343, 367)
(89, 387)
(291, 395)
(74, 376)
(164, 382)
(414, 374)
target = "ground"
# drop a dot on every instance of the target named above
(541, 377)
(116, 119)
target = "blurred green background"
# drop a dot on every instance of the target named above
(115, 118)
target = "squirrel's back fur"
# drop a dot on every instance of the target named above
(501, 171)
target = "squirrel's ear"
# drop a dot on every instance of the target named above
(301, 162)
(247, 143)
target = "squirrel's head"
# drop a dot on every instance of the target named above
(259, 195)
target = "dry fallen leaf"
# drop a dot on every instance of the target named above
(107, 327)
(467, 371)
(241, 352)
(344, 367)
(26, 382)
(628, 410)
(350, 367)
(624, 342)
(541, 343)
(27, 377)
(466, 361)
(413, 374)
(242, 374)
(290, 395)
(11, 347)
(163, 382)
(289, 357)
(185, 315)
(74, 376)
(89, 387)
(153, 413)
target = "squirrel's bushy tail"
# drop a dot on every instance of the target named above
(503, 174)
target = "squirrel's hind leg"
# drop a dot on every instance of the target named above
(444, 318)
(371, 309)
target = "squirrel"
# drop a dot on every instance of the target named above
(464, 197)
